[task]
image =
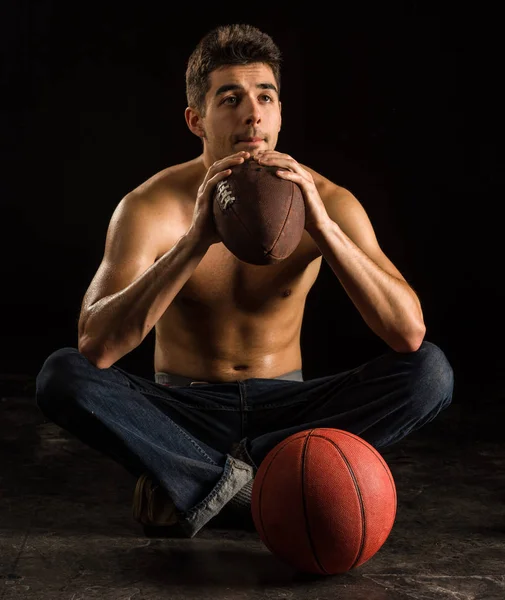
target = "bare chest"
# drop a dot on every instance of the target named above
(223, 281)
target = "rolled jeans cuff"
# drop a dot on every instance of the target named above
(235, 475)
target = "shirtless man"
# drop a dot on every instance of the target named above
(228, 382)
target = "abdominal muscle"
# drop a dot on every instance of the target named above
(242, 324)
(227, 348)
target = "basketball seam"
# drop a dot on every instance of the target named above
(267, 542)
(305, 511)
(360, 497)
(308, 434)
(377, 454)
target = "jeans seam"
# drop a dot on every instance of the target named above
(148, 393)
(205, 407)
(243, 408)
(201, 450)
(282, 404)
(213, 493)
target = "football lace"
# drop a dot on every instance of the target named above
(224, 194)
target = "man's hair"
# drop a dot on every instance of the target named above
(237, 44)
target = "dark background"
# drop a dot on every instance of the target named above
(398, 103)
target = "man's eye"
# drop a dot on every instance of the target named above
(266, 97)
(230, 100)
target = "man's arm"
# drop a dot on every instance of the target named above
(130, 291)
(343, 233)
(379, 291)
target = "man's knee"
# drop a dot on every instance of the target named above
(433, 379)
(54, 378)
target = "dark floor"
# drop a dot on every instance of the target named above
(66, 530)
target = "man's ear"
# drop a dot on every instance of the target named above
(194, 121)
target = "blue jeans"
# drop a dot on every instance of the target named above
(204, 442)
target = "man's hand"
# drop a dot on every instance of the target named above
(315, 211)
(203, 220)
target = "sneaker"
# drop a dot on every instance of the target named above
(152, 506)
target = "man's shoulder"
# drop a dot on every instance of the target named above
(167, 192)
(328, 189)
(170, 182)
(161, 200)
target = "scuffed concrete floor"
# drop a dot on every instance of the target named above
(66, 531)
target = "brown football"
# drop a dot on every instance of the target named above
(259, 216)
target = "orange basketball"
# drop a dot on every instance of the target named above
(324, 501)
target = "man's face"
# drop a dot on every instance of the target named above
(243, 111)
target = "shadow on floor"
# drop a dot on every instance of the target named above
(67, 531)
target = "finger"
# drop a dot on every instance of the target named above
(294, 167)
(278, 161)
(243, 155)
(229, 161)
(291, 175)
(222, 164)
(215, 179)
(274, 155)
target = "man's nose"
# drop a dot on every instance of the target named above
(253, 114)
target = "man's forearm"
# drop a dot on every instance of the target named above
(118, 323)
(388, 305)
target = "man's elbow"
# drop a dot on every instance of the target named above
(411, 342)
(97, 357)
